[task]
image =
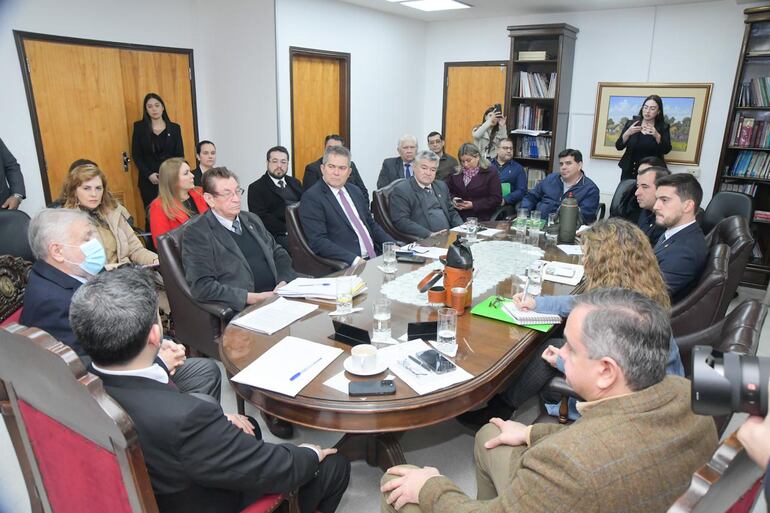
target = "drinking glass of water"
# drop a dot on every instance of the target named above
(447, 326)
(472, 228)
(344, 295)
(550, 234)
(381, 320)
(520, 224)
(389, 257)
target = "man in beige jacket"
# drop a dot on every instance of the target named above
(634, 449)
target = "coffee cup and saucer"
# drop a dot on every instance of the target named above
(363, 361)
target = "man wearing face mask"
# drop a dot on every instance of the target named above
(68, 254)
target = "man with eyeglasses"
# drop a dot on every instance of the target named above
(270, 194)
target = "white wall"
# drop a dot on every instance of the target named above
(234, 57)
(685, 43)
(386, 77)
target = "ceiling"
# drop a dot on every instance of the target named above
(491, 8)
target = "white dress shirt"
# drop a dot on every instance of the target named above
(673, 231)
(154, 372)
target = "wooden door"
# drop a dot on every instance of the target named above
(168, 75)
(319, 103)
(78, 92)
(469, 89)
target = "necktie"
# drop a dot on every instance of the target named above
(281, 183)
(661, 241)
(237, 226)
(407, 170)
(362, 232)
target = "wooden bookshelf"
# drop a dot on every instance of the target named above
(558, 41)
(753, 62)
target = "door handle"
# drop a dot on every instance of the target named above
(126, 161)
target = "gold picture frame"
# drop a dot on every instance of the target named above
(617, 102)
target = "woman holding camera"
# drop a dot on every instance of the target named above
(646, 135)
(490, 132)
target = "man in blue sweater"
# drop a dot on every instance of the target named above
(547, 195)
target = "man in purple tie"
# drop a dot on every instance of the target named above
(335, 217)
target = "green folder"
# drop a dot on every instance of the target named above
(485, 309)
(506, 189)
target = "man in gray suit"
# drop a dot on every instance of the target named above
(398, 167)
(420, 205)
(11, 180)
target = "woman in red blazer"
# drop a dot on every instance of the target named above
(475, 188)
(177, 199)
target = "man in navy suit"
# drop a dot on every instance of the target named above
(58, 237)
(335, 216)
(645, 198)
(681, 250)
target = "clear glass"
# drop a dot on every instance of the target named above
(517, 284)
(389, 257)
(533, 237)
(551, 235)
(472, 228)
(447, 326)
(535, 276)
(344, 294)
(381, 320)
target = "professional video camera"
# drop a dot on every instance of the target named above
(723, 383)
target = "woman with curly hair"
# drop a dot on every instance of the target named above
(616, 253)
(86, 188)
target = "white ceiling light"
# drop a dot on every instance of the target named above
(435, 5)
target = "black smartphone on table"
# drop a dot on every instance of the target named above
(372, 387)
(434, 361)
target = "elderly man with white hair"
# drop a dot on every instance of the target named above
(399, 167)
(68, 254)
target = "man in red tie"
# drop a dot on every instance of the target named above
(335, 217)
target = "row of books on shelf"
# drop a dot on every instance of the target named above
(534, 175)
(749, 132)
(537, 85)
(745, 188)
(533, 147)
(754, 164)
(531, 117)
(755, 93)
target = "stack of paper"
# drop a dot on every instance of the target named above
(530, 317)
(418, 378)
(322, 288)
(288, 366)
(275, 316)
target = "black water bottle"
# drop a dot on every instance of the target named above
(568, 219)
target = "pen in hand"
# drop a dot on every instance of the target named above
(526, 286)
(295, 376)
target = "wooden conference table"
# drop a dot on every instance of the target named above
(490, 350)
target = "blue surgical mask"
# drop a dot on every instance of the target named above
(96, 258)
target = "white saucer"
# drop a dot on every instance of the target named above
(351, 368)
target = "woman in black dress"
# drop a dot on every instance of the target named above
(155, 139)
(646, 135)
(206, 153)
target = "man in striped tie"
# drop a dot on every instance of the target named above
(335, 216)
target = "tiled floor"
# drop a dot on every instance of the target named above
(447, 446)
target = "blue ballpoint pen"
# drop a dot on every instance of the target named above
(303, 370)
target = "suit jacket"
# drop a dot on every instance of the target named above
(646, 223)
(327, 228)
(484, 191)
(681, 259)
(197, 460)
(630, 453)
(11, 179)
(313, 174)
(407, 208)
(268, 204)
(392, 170)
(47, 301)
(214, 266)
(147, 161)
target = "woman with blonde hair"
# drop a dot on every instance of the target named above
(177, 199)
(616, 253)
(86, 188)
(475, 188)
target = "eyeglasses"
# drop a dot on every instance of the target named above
(229, 194)
(498, 301)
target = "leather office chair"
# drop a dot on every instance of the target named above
(730, 482)
(725, 204)
(736, 233)
(381, 212)
(77, 447)
(14, 225)
(707, 302)
(304, 260)
(14, 273)
(623, 201)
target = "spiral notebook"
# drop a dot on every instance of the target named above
(529, 317)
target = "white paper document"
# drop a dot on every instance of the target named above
(275, 316)
(288, 366)
(429, 252)
(570, 249)
(489, 232)
(418, 378)
(324, 288)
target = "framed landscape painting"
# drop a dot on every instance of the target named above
(685, 107)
